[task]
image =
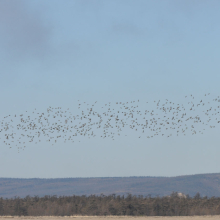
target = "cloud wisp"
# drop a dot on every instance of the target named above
(23, 33)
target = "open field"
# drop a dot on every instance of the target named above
(215, 217)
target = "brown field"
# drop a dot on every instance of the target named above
(215, 217)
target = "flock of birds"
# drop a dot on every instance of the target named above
(113, 119)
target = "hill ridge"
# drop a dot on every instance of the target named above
(206, 184)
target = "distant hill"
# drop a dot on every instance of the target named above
(205, 184)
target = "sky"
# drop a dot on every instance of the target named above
(62, 53)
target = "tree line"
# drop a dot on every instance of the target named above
(102, 205)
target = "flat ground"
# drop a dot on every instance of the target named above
(215, 217)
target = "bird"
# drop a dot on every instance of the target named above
(164, 118)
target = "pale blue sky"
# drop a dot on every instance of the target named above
(53, 53)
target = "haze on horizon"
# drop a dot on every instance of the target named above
(55, 53)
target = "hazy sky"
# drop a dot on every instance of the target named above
(54, 53)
